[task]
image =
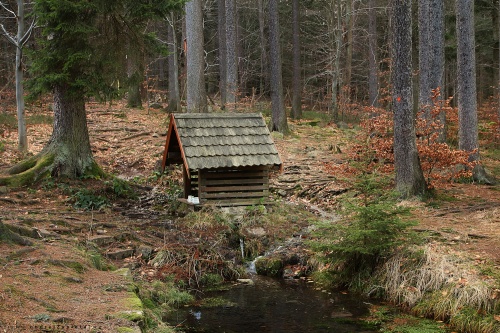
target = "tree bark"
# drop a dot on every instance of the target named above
(466, 77)
(372, 49)
(468, 137)
(264, 67)
(174, 98)
(134, 80)
(336, 72)
(196, 90)
(409, 176)
(70, 143)
(437, 63)
(424, 58)
(21, 116)
(221, 30)
(279, 121)
(296, 79)
(231, 60)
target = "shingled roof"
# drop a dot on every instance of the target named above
(215, 140)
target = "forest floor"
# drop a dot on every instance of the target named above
(60, 284)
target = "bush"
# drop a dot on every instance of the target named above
(372, 229)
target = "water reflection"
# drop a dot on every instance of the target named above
(274, 306)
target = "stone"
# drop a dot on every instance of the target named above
(4, 190)
(101, 240)
(256, 232)
(145, 252)
(246, 281)
(120, 254)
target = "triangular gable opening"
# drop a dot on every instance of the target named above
(172, 154)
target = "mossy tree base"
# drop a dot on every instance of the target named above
(48, 164)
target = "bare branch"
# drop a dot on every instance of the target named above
(8, 9)
(27, 35)
(11, 38)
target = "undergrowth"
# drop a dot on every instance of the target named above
(372, 228)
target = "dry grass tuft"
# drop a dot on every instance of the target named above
(434, 283)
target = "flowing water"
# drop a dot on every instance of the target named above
(271, 305)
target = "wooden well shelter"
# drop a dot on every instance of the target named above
(226, 157)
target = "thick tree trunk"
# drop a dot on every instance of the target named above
(196, 90)
(68, 153)
(409, 177)
(221, 30)
(70, 142)
(372, 46)
(296, 79)
(231, 62)
(468, 137)
(466, 77)
(279, 121)
(174, 98)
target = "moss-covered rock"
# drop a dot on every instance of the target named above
(269, 267)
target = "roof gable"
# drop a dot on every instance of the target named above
(216, 140)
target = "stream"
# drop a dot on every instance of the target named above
(273, 305)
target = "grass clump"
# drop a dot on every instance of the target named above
(158, 299)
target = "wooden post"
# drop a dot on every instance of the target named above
(187, 182)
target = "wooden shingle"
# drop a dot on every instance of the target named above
(226, 158)
(215, 140)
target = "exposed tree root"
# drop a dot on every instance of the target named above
(45, 164)
(6, 235)
(28, 171)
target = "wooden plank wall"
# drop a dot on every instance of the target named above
(233, 187)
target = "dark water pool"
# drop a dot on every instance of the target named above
(274, 306)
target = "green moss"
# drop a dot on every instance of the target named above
(125, 330)
(269, 266)
(28, 171)
(134, 307)
(216, 302)
(74, 265)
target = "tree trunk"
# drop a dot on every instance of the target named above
(279, 121)
(174, 98)
(372, 46)
(296, 79)
(231, 60)
(336, 72)
(264, 68)
(67, 153)
(424, 58)
(466, 76)
(349, 46)
(437, 63)
(134, 77)
(196, 90)
(21, 117)
(69, 142)
(221, 30)
(409, 177)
